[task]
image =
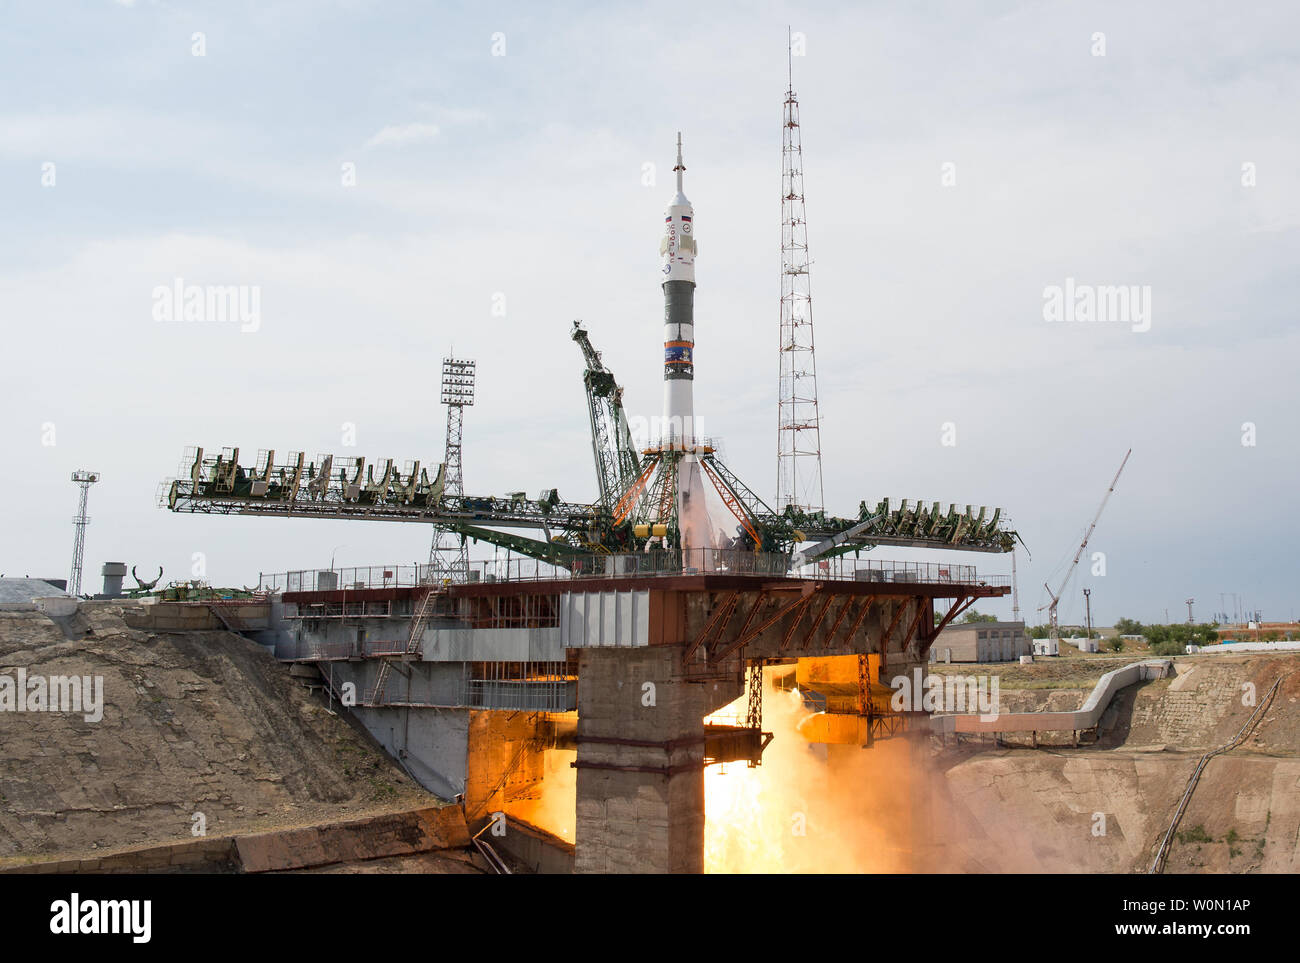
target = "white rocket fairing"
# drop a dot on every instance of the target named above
(678, 251)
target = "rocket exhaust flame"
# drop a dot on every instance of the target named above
(808, 809)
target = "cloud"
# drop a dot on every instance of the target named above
(403, 135)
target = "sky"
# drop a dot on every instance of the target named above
(401, 181)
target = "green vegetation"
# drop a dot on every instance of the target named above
(1128, 627)
(973, 616)
(1065, 631)
(1196, 834)
(1170, 639)
(1115, 645)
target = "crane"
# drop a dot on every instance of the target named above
(1053, 634)
(617, 464)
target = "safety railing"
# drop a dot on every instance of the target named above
(634, 565)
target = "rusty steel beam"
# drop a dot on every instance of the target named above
(744, 628)
(666, 745)
(893, 624)
(858, 620)
(747, 637)
(839, 619)
(958, 607)
(800, 609)
(812, 630)
(722, 612)
(921, 609)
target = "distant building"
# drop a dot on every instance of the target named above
(1046, 647)
(21, 593)
(981, 642)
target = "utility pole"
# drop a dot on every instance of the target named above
(1087, 605)
(798, 436)
(1189, 610)
(448, 554)
(83, 480)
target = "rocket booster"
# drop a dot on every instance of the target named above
(678, 251)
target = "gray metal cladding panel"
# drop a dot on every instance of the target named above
(493, 645)
(591, 619)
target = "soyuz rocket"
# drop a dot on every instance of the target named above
(678, 251)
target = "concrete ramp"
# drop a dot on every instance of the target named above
(405, 833)
(395, 834)
(1086, 717)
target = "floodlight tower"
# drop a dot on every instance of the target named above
(798, 447)
(449, 554)
(83, 480)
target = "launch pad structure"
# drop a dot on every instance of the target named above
(625, 622)
(620, 664)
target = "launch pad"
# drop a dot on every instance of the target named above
(642, 657)
(638, 611)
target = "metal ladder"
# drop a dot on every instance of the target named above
(413, 644)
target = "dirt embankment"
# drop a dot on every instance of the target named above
(1104, 808)
(193, 723)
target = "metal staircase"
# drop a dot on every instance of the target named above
(413, 643)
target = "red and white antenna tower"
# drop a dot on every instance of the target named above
(798, 446)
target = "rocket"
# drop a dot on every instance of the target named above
(678, 251)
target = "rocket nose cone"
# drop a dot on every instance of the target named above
(680, 201)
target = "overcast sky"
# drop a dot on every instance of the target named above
(501, 150)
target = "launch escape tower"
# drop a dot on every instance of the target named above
(448, 553)
(83, 480)
(798, 445)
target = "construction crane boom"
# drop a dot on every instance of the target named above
(617, 464)
(1069, 572)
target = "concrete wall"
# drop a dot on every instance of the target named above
(504, 762)
(1086, 717)
(1229, 648)
(640, 785)
(538, 850)
(388, 834)
(172, 617)
(432, 744)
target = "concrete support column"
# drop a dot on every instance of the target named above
(926, 855)
(640, 785)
